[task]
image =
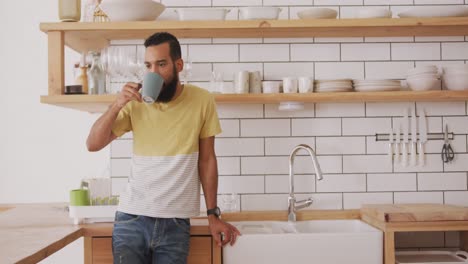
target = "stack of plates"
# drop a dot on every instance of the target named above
(376, 85)
(343, 85)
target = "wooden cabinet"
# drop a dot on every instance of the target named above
(82, 36)
(98, 250)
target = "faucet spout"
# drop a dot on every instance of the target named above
(292, 204)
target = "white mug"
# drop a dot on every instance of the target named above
(289, 85)
(306, 85)
(255, 82)
(241, 82)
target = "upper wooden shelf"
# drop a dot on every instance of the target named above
(84, 36)
(99, 103)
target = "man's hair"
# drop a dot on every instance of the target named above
(164, 37)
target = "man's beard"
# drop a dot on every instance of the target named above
(169, 89)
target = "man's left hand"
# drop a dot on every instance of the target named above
(222, 230)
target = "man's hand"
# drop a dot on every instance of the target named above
(128, 93)
(218, 227)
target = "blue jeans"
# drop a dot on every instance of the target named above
(138, 239)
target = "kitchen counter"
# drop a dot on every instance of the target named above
(30, 233)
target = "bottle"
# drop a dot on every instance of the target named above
(69, 10)
(82, 78)
(96, 75)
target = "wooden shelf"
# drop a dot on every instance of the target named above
(99, 103)
(84, 36)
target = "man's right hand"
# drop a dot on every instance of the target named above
(128, 93)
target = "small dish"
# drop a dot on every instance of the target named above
(435, 11)
(193, 14)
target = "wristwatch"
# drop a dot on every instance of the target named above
(215, 211)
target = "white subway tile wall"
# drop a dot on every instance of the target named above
(256, 141)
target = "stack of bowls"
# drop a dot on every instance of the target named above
(456, 77)
(423, 78)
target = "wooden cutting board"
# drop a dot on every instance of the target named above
(415, 212)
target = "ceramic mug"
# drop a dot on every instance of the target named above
(306, 85)
(79, 197)
(289, 85)
(152, 85)
(255, 82)
(241, 82)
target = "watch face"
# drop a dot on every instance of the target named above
(216, 211)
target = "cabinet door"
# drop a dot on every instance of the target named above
(200, 250)
(102, 250)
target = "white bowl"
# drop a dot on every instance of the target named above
(457, 82)
(132, 10)
(456, 69)
(259, 12)
(202, 13)
(317, 12)
(373, 12)
(423, 84)
(271, 86)
(423, 69)
(424, 75)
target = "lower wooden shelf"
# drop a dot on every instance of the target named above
(99, 103)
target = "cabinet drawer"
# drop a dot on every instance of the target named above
(200, 250)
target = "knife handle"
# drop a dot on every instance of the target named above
(405, 154)
(421, 160)
(390, 151)
(413, 153)
(397, 152)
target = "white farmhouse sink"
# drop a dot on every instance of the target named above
(316, 241)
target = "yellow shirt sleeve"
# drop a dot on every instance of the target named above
(211, 126)
(123, 122)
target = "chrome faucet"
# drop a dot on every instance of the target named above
(292, 204)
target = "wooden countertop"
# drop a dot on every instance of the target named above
(30, 233)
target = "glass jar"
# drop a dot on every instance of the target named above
(96, 75)
(69, 10)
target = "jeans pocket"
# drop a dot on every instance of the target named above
(183, 223)
(124, 218)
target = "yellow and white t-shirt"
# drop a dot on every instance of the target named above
(164, 179)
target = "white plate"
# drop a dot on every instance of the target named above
(377, 88)
(435, 11)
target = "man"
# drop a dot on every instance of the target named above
(173, 150)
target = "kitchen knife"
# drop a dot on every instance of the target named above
(414, 137)
(422, 136)
(405, 139)
(390, 144)
(397, 142)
